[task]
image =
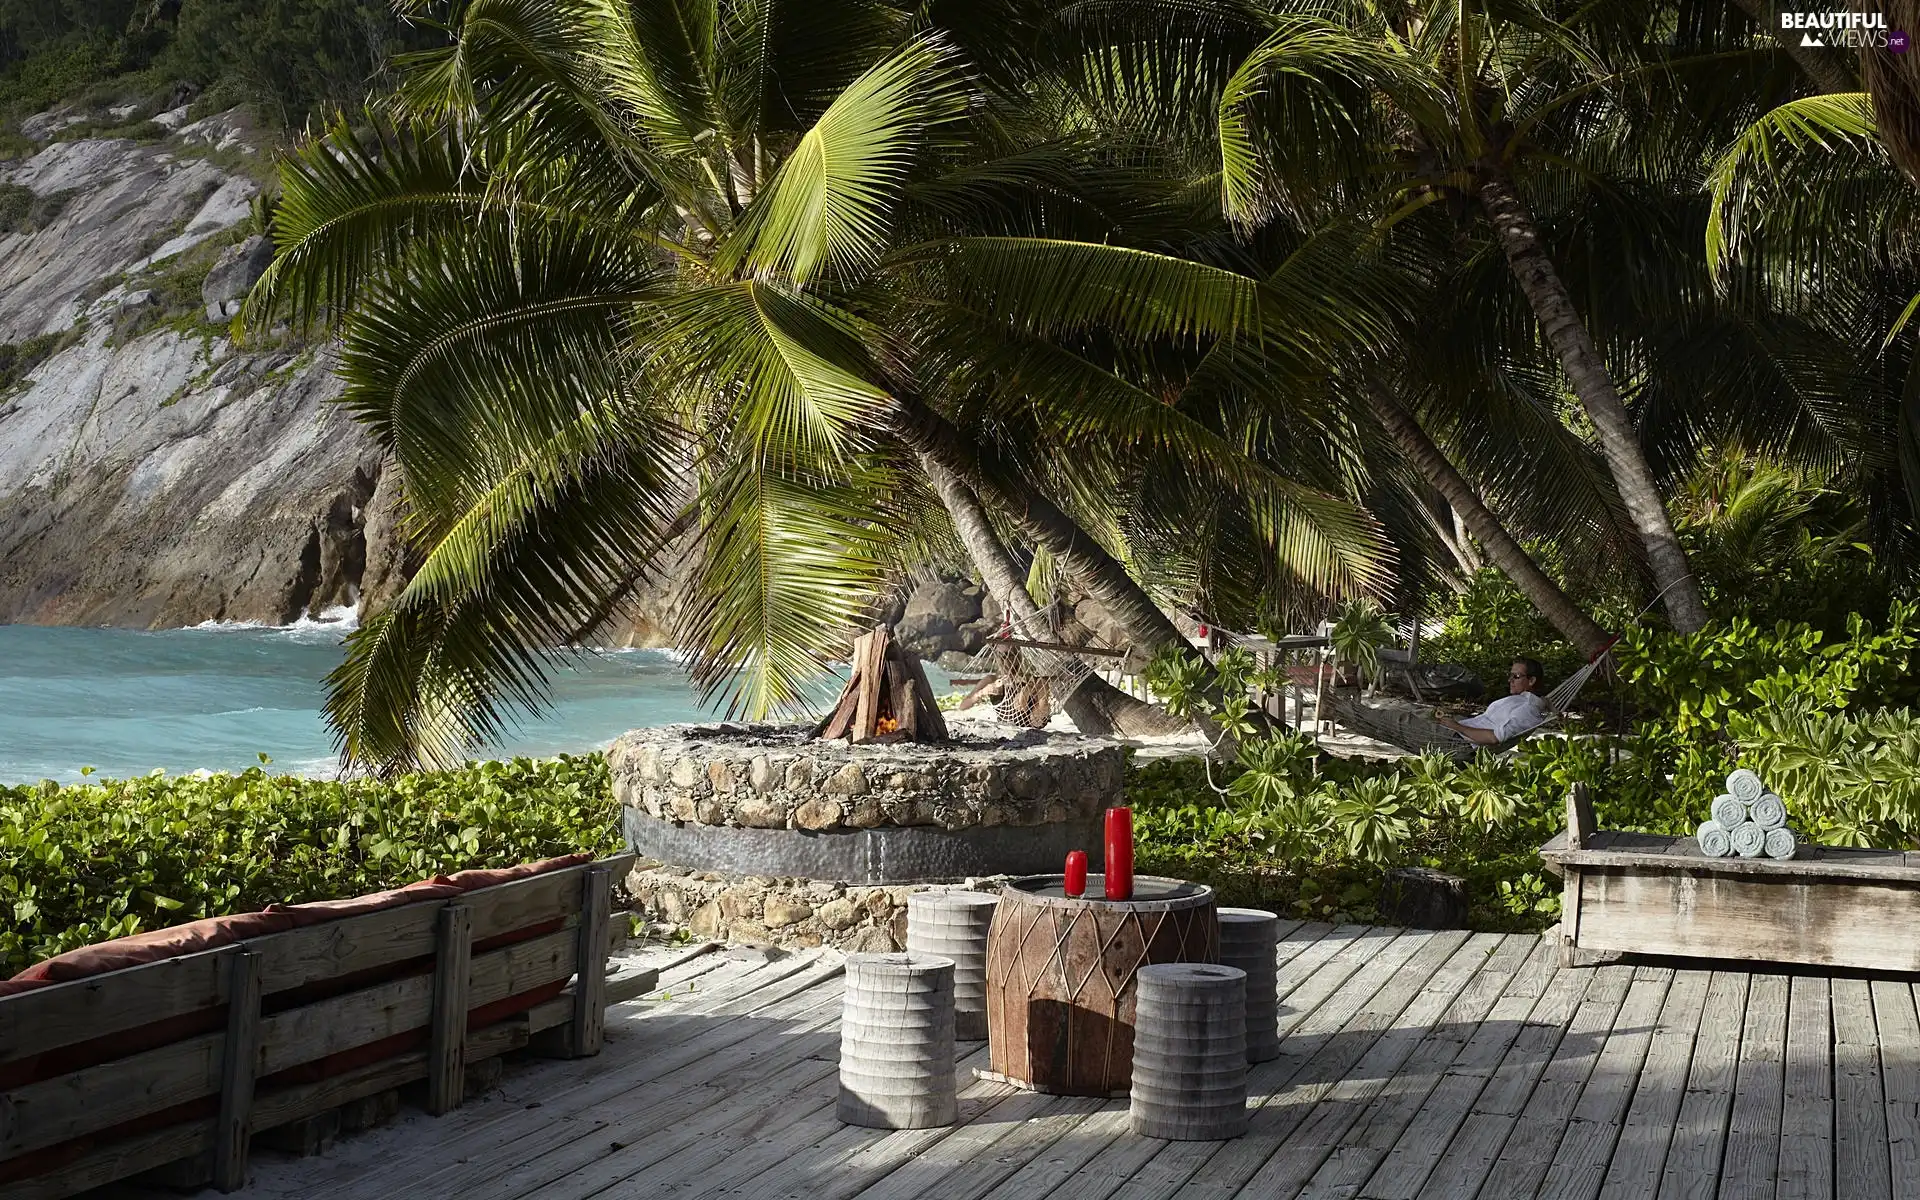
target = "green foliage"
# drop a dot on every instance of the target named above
(1283, 827)
(1694, 681)
(1848, 777)
(22, 210)
(17, 359)
(93, 861)
(1358, 634)
(1771, 543)
(1490, 623)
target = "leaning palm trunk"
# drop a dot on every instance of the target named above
(1520, 238)
(1506, 553)
(1893, 81)
(931, 437)
(1095, 706)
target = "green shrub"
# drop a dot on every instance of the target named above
(23, 211)
(88, 862)
(18, 358)
(1282, 827)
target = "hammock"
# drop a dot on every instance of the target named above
(1031, 680)
(1418, 732)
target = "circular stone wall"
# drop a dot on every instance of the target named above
(759, 833)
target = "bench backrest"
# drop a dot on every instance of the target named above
(100, 1075)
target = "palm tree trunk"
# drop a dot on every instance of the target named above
(1095, 706)
(933, 438)
(1507, 554)
(1893, 81)
(1519, 237)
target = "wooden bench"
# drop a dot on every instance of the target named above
(1641, 894)
(113, 1075)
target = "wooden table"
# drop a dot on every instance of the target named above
(1636, 893)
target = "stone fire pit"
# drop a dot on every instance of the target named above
(759, 833)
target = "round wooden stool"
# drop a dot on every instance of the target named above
(896, 1042)
(954, 925)
(1190, 1052)
(1248, 940)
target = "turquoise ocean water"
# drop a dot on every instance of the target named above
(215, 696)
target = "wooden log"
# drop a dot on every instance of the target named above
(446, 1083)
(870, 654)
(240, 1055)
(932, 722)
(1190, 1053)
(590, 977)
(896, 1042)
(1423, 899)
(1060, 976)
(839, 722)
(900, 695)
(955, 925)
(1249, 941)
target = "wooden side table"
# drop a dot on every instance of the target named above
(1830, 906)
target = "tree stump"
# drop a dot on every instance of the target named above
(1423, 899)
(1248, 940)
(1190, 1053)
(896, 1042)
(955, 925)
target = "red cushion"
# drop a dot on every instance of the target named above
(471, 881)
(172, 942)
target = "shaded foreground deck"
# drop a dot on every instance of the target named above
(1413, 1064)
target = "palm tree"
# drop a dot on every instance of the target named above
(607, 273)
(1474, 109)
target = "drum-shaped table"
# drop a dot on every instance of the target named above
(1060, 976)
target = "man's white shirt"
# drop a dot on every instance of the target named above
(1510, 716)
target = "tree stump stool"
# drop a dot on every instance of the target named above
(1060, 976)
(1423, 898)
(954, 925)
(896, 1042)
(1190, 1053)
(1249, 940)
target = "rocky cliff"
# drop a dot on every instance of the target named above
(153, 473)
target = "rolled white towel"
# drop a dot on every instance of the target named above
(1769, 811)
(1749, 840)
(1728, 811)
(1713, 839)
(1745, 785)
(1781, 843)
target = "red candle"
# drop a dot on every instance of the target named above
(1076, 872)
(1119, 876)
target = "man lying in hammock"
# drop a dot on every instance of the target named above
(1509, 716)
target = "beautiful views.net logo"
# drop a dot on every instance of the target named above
(1844, 30)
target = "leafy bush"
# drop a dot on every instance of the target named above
(89, 862)
(1281, 826)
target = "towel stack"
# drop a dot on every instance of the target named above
(1748, 820)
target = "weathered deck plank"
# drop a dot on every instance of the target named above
(1862, 1164)
(1413, 1064)
(1806, 1126)
(1693, 1156)
(1751, 1164)
(1641, 1152)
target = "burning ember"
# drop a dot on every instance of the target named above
(887, 697)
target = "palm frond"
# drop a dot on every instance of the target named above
(831, 201)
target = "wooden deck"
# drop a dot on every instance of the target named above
(1414, 1064)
